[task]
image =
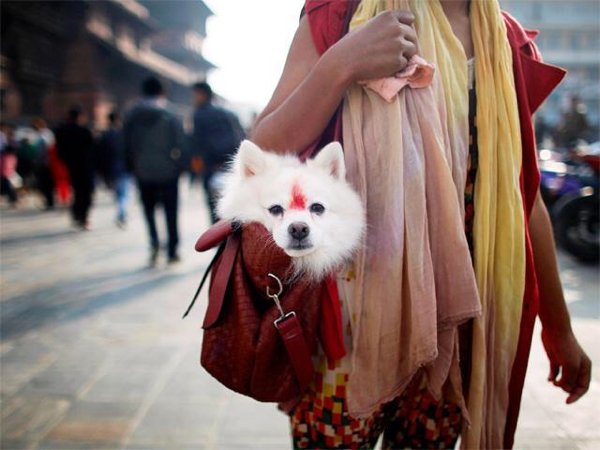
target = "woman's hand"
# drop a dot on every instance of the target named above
(567, 358)
(565, 354)
(379, 48)
(312, 85)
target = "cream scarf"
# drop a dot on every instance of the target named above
(415, 281)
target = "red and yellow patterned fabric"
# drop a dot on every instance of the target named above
(413, 420)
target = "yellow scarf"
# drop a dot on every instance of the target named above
(499, 241)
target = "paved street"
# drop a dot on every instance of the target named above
(94, 354)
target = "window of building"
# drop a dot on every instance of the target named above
(554, 40)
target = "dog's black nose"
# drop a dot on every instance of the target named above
(299, 230)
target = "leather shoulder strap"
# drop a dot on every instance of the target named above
(290, 330)
(220, 280)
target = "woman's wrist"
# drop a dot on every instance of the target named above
(555, 321)
(334, 61)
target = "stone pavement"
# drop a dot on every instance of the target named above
(94, 354)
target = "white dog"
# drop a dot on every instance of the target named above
(309, 208)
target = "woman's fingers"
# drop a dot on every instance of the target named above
(381, 47)
(583, 381)
(410, 34)
(568, 376)
(402, 63)
(554, 369)
(405, 17)
(410, 49)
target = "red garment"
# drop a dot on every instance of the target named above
(60, 174)
(331, 332)
(534, 81)
(8, 164)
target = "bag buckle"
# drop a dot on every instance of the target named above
(283, 318)
(275, 297)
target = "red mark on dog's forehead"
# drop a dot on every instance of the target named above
(298, 200)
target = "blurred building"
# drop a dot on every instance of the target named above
(569, 37)
(95, 53)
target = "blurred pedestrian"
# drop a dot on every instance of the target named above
(155, 154)
(217, 135)
(8, 165)
(25, 139)
(43, 141)
(573, 124)
(75, 146)
(111, 159)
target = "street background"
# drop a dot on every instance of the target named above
(94, 353)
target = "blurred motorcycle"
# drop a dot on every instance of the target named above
(569, 187)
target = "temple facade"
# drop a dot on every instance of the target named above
(95, 54)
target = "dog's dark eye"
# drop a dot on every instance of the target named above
(276, 210)
(317, 208)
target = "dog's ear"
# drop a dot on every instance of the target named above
(251, 159)
(331, 158)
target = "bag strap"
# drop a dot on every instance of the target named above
(204, 278)
(290, 331)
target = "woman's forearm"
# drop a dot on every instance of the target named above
(312, 87)
(303, 116)
(553, 310)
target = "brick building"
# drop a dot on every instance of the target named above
(95, 53)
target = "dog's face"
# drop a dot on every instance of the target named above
(311, 211)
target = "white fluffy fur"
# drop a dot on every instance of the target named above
(258, 180)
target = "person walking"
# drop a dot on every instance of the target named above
(439, 305)
(111, 162)
(43, 141)
(573, 125)
(8, 165)
(75, 147)
(155, 153)
(217, 135)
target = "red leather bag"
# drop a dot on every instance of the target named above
(259, 335)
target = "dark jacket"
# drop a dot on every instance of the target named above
(111, 159)
(217, 135)
(75, 146)
(154, 143)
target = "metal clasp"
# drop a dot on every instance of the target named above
(275, 297)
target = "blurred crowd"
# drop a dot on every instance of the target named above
(146, 145)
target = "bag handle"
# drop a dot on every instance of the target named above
(212, 237)
(228, 250)
(220, 280)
